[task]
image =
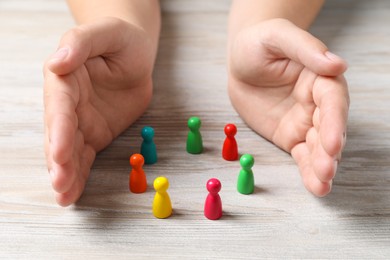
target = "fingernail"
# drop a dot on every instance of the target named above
(52, 173)
(332, 56)
(60, 54)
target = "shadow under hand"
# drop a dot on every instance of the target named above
(362, 186)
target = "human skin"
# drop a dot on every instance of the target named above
(97, 84)
(287, 86)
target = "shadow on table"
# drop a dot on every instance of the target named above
(361, 190)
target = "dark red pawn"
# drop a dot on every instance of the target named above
(230, 149)
(213, 204)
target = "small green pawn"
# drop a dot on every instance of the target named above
(194, 138)
(246, 181)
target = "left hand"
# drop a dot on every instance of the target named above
(290, 89)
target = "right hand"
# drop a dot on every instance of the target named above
(96, 85)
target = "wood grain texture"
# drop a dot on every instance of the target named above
(280, 220)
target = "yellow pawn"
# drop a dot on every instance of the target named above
(162, 207)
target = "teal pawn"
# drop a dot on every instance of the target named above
(194, 138)
(148, 147)
(246, 181)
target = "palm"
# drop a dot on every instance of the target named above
(284, 101)
(107, 97)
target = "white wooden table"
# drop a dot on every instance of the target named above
(280, 220)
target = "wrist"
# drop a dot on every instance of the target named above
(247, 13)
(143, 14)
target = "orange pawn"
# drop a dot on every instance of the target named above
(137, 179)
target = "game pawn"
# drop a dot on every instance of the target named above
(148, 147)
(194, 138)
(213, 203)
(230, 149)
(137, 180)
(246, 182)
(162, 207)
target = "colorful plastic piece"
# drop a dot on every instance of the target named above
(246, 182)
(230, 149)
(213, 203)
(194, 138)
(162, 206)
(148, 147)
(137, 179)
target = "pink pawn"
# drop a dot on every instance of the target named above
(213, 204)
(230, 149)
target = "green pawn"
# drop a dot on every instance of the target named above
(194, 139)
(246, 181)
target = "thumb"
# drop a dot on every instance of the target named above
(84, 42)
(302, 47)
(74, 49)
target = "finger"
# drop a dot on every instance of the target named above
(47, 148)
(311, 139)
(73, 193)
(302, 156)
(63, 176)
(302, 47)
(324, 165)
(61, 98)
(316, 119)
(87, 41)
(71, 196)
(332, 98)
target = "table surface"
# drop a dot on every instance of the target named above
(280, 220)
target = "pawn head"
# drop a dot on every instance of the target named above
(230, 130)
(213, 185)
(194, 123)
(137, 160)
(161, 183)
(247, 161)
(147, 133)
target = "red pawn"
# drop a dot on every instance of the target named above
(229, 149)
(213, 204)
(137, 180)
